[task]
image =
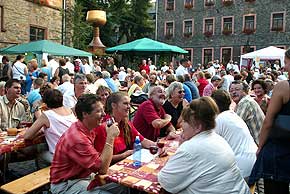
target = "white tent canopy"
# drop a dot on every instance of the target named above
(268, 53)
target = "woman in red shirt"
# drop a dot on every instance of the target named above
(118, 107)
(201, 82)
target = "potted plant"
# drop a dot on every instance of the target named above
(227, 31)
(249, 30)
(187, 34)
(277, 29)
(188, 5)
(208, 33)
(168, 35)
(228, 2)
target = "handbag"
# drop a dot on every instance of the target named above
(281, 127)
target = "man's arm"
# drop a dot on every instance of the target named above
(160, 123)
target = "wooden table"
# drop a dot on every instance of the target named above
(9, 144)
(143, 178)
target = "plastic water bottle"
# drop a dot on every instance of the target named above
(137, 152)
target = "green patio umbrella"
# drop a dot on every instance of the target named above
(44, 46)
(146, 45)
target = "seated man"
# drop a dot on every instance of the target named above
(12, 112)
(75, 157)
(150, 118)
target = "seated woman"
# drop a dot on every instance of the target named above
(52, 122)
(259, 87)
(118, 106)
(175, 103)
(204, 162)
(137, 86)
(236, 132)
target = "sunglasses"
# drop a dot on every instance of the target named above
(180, 91)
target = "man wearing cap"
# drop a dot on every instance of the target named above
(212, 86)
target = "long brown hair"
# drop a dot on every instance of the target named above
(124, 125)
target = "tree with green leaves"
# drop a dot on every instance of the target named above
(127, 20)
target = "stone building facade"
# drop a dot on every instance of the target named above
(27, 20)
(223, 29)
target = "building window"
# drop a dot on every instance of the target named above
(247, 49)
(209, 2)
(227, 25)
(207, 55)
(249, 24)
(187, 30)
(2, 29)
(188, 4)
(277, 22)
(189, 55)
(226, 55)
(37, 33)
(208, 27)
(170, 5)
(169, 29)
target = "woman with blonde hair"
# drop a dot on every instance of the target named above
(175, 103)
(118, 106)
(46, 69)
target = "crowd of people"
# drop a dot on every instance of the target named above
(225, 113)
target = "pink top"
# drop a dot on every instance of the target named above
(58, 125)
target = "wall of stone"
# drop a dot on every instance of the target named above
(261, 38)
(20, 14)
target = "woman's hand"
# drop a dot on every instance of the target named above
(127, 153)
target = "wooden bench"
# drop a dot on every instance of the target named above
(28, 183)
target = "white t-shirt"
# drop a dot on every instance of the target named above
(122, 75)
(66, 86)
(164, 68)
(181, 70)
(58, 124)
(235, 131)
(54, 65)
(18, 70)
(228, 79)
(203, 164)
(70, 67)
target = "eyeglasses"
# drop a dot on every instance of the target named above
(180, 91)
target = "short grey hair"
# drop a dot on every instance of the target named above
(78, 77)
(153, 89)
(172, 87)
(106, 74)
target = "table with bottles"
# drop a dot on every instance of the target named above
(143, 178)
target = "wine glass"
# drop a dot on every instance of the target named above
(160, 143)
(153, 149)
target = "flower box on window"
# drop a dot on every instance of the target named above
(228, 2)
(187, 34)
(277, 29)
(208, 33)
(227, 31)
(250, 1)
(249, 30)
(168, 36)
(188, 5)
(209, 3)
